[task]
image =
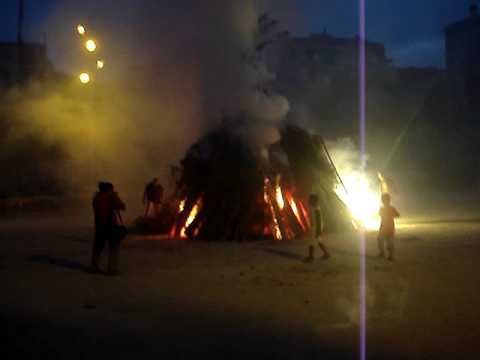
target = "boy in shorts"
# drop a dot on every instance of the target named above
(386, 233)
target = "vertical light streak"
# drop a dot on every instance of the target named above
(363, 151)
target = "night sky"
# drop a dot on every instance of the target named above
(412, 30)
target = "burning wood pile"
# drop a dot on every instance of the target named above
(225, 191)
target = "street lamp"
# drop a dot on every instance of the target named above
(84, 78)
(92, 67)
(81, 29)
(91, 45)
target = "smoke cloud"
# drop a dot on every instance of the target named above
(345, 155)
(172, 70)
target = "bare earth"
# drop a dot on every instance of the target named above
(178, 300)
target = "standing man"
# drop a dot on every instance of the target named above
(106, 207)
(153, 197)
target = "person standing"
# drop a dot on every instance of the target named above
(317, 228)
(153, 197)
(386, 233)
(106, 208)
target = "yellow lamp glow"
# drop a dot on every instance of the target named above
(100, 64)
(84, 78)
(90, 45)
(81, 29)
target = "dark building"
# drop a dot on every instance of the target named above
(298, 60)
(319, 75)
(327, 50)
(21, 62)
(462, 43)
(443, 142)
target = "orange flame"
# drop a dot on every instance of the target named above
(305, 214)
(277, 234)
(181, 206)
(279, 197)
(295, 210)
(191, 217)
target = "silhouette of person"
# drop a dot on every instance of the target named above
(153, 197)
(106, 205)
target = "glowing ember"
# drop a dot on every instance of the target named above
(190, 219)
(296, 212)
(362, 201)
(265, 194)
(294, 208)
(277, 234)
(279, 197)
(305, 214)
(181, 206)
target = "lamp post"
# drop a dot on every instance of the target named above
(94, 66)
(84, 78)
(91, 46)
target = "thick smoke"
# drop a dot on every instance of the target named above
(172, 70)
(345, 155)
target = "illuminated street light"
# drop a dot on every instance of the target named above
(81, 29)
(90, 45)
(84, 78)
(100, 64)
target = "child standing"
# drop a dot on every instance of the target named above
(317, 227)
(387, 228)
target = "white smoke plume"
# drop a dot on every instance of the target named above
(172, 68)
(345, 155)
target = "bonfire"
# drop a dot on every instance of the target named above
(230, 189)
(226, 191)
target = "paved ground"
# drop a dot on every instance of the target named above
(181, 299)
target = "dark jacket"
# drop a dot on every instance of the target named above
(105, 208)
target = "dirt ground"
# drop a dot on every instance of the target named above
(179, 299)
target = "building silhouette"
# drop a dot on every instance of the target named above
(21, 62)
(462, 51)
(298, 60)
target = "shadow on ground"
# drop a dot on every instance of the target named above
(285, 254)
(177, 336)
(59, 262)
